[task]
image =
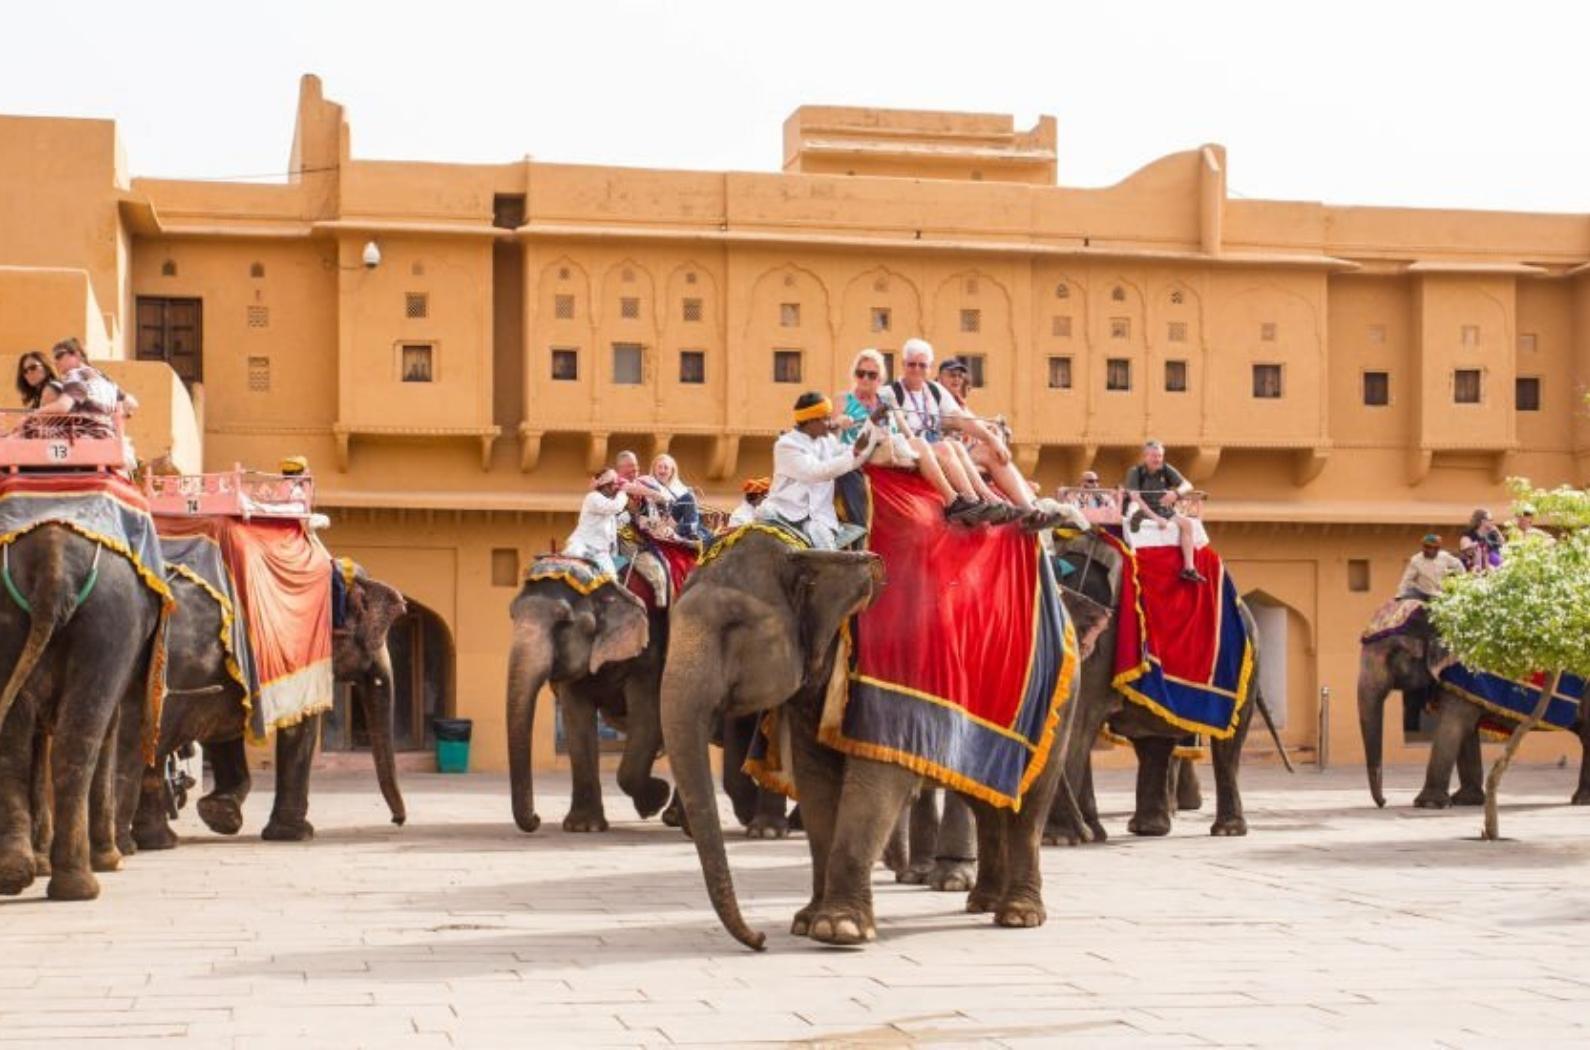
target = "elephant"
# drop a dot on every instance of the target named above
(758, 629)
(205, 705)
(935, 848)
(1410, 660)
(1163, 781)
(602, 651)
(759, 811)
(78, 632)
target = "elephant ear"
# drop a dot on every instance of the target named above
(374, 607)
(1088, 616)
(830, 587)
(621, 630)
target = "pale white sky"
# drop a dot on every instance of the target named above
(1451, 104)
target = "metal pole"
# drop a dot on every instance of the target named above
(1323, 752)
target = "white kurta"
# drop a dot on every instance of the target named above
(596, 535)
(744, 514)
(804, 469)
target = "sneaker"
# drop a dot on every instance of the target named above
(991, 512)
(963, 511)
(1193, 576)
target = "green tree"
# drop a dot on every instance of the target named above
(1529, 615)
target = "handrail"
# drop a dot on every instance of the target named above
(1102, 506)
(237, 493)
(73, 441)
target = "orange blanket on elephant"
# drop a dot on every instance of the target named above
(282, 577)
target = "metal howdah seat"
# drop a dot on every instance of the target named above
(237, 493)
(1107, 506)
(44, 442)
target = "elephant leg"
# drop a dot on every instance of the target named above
(737, 784)
(295, 756)
(222, 809)
(1581, 797)
(820, 772)
(897, 851)
(151, 829)
(769, 821)
(1153, 780)
(955, 856)
(1189, 795)
(1021, 838)
(1227, 759)
(870, 799)
(1089, 804)
(993, 871)
(130, 763)
(1456, 719)
(42, 801)
(642, 744)
(922, 836)
(1471, 773)
(579, 726)
(102, 802)
(82, 725)
(20, 797)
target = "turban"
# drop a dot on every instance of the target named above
(756, 486)
(606, 477)
(294, 465)
(821, 410)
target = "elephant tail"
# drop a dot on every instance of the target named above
(48, 607)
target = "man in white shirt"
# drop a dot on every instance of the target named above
(595, 538)
(806, 460)
(1427, 569)
(755, 491)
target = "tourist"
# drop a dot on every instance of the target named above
(84, 389)
(806, 460)
(595, 537)
(683, 507)
(1154, 486)
(627, 465)
(1480, 545)
(1422, 579)
(1091, 496)
(753, 492)
(1525, 524)
(955, 376)
(36, 380)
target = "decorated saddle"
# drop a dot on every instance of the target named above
(279, 580)
(1508, 702)
(580, 575)
(1397, 616)
(959, 668)
(198, 559)
(110, 511)
(1182, 649)
(658, 566)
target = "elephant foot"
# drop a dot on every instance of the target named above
(591, 820)
(1229, 827)
(953, 876)
(1097, 831)
(1020, 913)
(528, 822)
(1188, 796)
(284, 831)
(72, 886)
(846, 927)
(105, 859)
(916, 873)
(1149, 825)
(1468, 796)
(674, 815)
(221, 814)
(801, 925)
(1061, 837)
(1428, 799)
(981, 902)
(896, 857)
(767, 826)
(154, 836)
(126, 843)
(650, 799)
(41, 865)
(1580, 798)
(17, 872)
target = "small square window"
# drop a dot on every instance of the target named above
(629, 308)
(971, 320)
(1060, 373)
(880, 318)
(259, 317)
(1527, 342)
(1176, 377)
(1471, 335)
(786, 366)
(504, 567)
(1377, 389)
(789, 315)
(1060, 326)
(259, 375)
(1377, 334)
(628, 364)
(974, 367)
(1062, 291)
(1358, 575)
(1120, 328)
(1117, 294)
(1177, 297)
(1176, 332)
(692, 366)
(1527, 394)
(565, 364)
(692, 310)
(416, 306)
(1267, 332)
(1267, 381)
(1466, 386)
(1117, 374)
(418, 363)
(563, 307)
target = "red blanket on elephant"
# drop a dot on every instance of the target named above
(960, 666)
(282, 577)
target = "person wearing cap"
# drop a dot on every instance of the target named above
(753, 492)
(1154, 486)
(1422, 579)
(1092, 495)
(1525, 523)
(806, 461)
(595, 537)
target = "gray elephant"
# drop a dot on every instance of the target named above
(757, 629)
(1164, 782)
(205, 705)
(602, 651)
(77, 631)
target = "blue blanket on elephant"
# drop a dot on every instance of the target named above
(199, 560)
(1512, 701)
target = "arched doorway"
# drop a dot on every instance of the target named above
(422, 677)
(1286, 671)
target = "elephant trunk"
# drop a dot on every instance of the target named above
(1372, 690)
(686, 725)
(375, 691)
(529, 666)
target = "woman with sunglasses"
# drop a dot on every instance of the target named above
(861, 403)
(84, 389)
(36, 380)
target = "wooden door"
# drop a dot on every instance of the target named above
(172, 330)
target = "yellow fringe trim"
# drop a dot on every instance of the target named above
(566, 577)
(718, 549)
(1193, 754)
(1502, 712)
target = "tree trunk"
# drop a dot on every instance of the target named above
(1493, 780)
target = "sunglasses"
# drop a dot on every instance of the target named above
(33, 366)
(916, 364)
(863, 374)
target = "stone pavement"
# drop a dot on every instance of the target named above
(1331, 924)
